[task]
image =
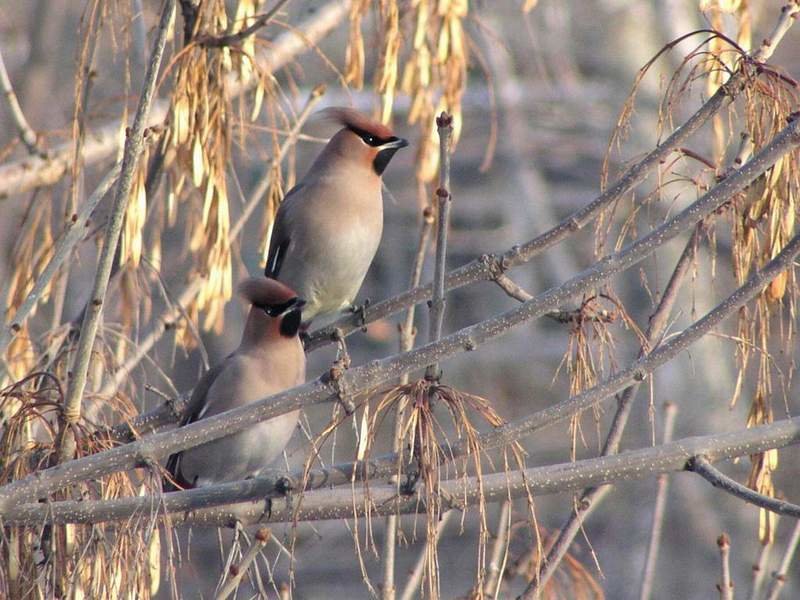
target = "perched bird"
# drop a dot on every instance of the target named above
(329, 225)
(269, 359)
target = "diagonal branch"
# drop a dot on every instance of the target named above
(375, 373)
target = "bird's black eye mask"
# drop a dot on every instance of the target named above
(276, 310)
(370, 139)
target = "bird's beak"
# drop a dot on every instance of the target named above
(394, 143)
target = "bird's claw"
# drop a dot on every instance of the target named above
(361, 311)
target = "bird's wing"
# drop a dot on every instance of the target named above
(191, 414)
(280, 239)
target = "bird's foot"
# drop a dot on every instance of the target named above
(407, 487)
(284, 485)
(360, 310)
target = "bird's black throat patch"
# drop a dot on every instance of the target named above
(290, 324)
(382, 159)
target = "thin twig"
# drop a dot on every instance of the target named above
(702, 467)
(662, 483)
(499, 552)
(26, 132)
(215, 504)
(375, 373)
(133, 148)
(444, 125)
(779, 576)
(262, 536)
(407, 336)
(725, 586)
(235, 38)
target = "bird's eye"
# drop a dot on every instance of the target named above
(370, 140)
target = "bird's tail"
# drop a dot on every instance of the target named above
(173, 481)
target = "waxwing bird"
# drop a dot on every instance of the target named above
(269, 359)
(329, 225)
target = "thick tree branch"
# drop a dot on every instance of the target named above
(701, 466)
(197, 505)
(378, 372)
(33, 172)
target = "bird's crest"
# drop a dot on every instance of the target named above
(355, 121)
(263, 291)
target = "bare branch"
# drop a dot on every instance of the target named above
(407, 336)
(212, 505)
(702, 467)
(412, 587)
(760, 568)
(263, 536)
(74, 232)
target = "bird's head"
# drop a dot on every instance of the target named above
(361, 139)
(277, 300)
